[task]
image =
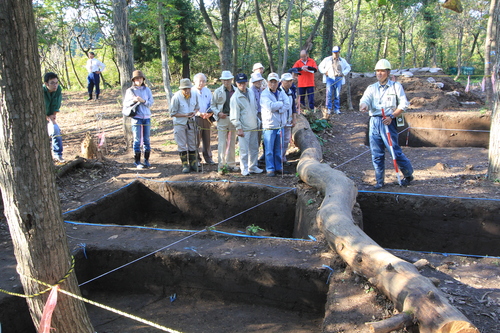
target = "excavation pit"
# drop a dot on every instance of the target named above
(434, 224)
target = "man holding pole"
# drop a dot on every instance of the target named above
(385, 100)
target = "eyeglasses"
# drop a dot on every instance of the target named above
(53, 83)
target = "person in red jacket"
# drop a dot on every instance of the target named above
(308, 67)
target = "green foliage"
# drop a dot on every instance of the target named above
(310, 202)
(319, 125)
(253, 229)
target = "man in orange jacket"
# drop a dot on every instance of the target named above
(308, 67)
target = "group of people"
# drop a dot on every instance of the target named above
(243, 110)
(252, 109)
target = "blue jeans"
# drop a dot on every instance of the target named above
(55, 138)
(378, 143)
(93, 80)
(309, 91)
(141, 129)
(333, 87)
(272, 144)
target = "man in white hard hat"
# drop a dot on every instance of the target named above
(385, 100)
(226, 130)
(335, 69)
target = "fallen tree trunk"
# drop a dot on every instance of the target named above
(399, 280)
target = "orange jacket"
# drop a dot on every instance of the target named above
(306, 79)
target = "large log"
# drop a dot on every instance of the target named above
(399, 280)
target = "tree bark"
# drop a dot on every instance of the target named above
(224, 42)
(267, 46)
(287, 24)
(397, 279)
(489, 45)
(308, 43)
(165, 70)
(235, 17)
(350, 49)
(124, 56)
(326, 47)
(27, 181)
(494, 149)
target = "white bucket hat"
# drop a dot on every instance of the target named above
(273, 76)
(185, 83)
(226, 75)
(257, 66)
(256, 77)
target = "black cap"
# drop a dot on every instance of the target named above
(295, 70)
(241, 77)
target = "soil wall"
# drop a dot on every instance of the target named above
(436, 224)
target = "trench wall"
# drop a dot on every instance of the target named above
(449, 225)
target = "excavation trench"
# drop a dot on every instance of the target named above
(214, 277)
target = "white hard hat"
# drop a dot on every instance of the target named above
(383, 64)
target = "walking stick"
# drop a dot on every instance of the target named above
(391, 149)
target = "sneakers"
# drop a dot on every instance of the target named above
(406, 181)
(245, 173)
(59, 159)
(378, 186)
(146, 164)
(138, 165)
(337, 112)
(234, 169)
(271, 174)
(256, 170)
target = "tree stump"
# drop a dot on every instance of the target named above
(89, 148)
(399, 280)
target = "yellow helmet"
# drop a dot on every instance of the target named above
(383, 64)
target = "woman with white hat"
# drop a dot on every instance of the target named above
(141, 122)
(183, 108)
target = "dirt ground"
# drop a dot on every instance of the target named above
(471, 284)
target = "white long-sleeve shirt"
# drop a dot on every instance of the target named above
(94, 65)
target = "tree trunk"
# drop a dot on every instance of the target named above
(350, 49)
(31, 201)
(165, 70)
(287, 24)
(489, 45)
(124, 56)
(235, 17)
(399, 280)
(269, 51)
(494, 149)
(459, 51)
(326, 47)
(308, 43)
(224, 42)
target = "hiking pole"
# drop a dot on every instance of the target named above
(391, 149)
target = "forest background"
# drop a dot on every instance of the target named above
(409, 33)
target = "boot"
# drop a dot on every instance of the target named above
(146, 159)
(96, 97)
(192, 161)
(326, 114)
(90, 97)
(184, 160)
(137, 161)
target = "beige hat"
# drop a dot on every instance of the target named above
(257, 66)
(185, 83)
(137, 73)
(256, 77)
(286, 77)
(273, 76)
(226, 75)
